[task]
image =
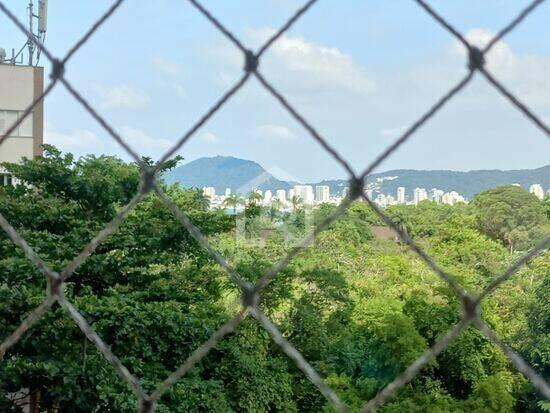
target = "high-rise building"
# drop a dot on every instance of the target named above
(281, 195)
(322, 193)
(435, 195)
(368, 193)
(345, 192)
(401, 195)
(227, 192)
(268, 195)
(420, 194)
(20, 86)
(305, 192)
(537, 190)
(209, 192)
(381, 200)
(291, 193)
(451, 198)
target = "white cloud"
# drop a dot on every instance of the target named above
(524, 74)
(393, 132)
(171, 74)
(276, 133)
(300, 67)
(83, 142)
(143, 143)
(210, 137)
(313, 65)
(166, 67)
(122, 97)
(76, 141)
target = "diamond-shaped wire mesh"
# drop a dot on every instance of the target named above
(470, 315)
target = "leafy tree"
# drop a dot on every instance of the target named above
(146, 290)
(510, 214)
(233, 201)
(296, 202)
(359, 308)
(254, 198)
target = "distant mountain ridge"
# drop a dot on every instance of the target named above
(223, 172)
(242, 175)
(465, 183)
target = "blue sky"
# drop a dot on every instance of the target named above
(359, 71)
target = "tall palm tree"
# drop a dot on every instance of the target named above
(233, 201)
(275, 207)
(203, 200)
(296, 202)
(254, 198)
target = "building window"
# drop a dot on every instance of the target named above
(5, 180)
(9, 117)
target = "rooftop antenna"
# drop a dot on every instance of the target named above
(36, 36)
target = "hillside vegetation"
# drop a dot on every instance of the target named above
(359, 308)
(242, 176)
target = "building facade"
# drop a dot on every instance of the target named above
(401, 195)
(20, 87)
(420, 194)
(305, 192)
(209, 192)
(537, 190)
(281, 195)
(322, 193)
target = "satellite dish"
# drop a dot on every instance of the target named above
(42, 16)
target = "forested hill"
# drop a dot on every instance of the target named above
(223, 172)
(242, 175)
(466, 183)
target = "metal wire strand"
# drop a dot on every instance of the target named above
(530, 374)
(251, 293)
(400, 381)
(104, 349)
(199, 354)
(299, 360)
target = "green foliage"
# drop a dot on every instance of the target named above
(512, 215)
(359, 308)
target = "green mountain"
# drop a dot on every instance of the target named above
(241, 175)
(223, 172)
(465, 183)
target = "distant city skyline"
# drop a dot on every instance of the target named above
(361, 84)
(311, 196)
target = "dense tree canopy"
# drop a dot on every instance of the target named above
(358, 307)
(511, 215)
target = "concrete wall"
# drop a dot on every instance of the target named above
(19, 87)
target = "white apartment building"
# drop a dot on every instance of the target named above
(305, 192)
(281, 195)
(537, 190)
(345, 192)
(19, 87)
(227, 192)
(381, 200)
(368, 193)
(268, 195)
(401, 195)
(451, 198)
(420, 194)
(436, 195)
(209, 192)
(322, 193)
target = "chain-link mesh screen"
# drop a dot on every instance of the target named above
(251, 294)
